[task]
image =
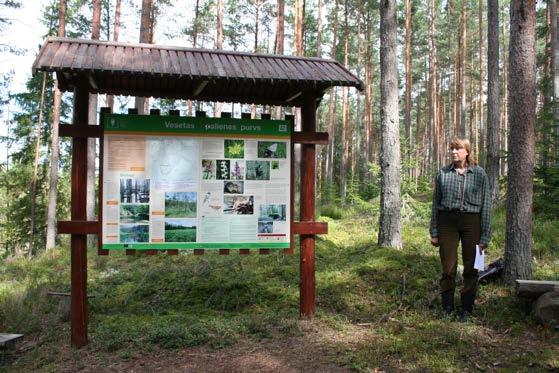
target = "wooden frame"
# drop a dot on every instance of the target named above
(79, 227)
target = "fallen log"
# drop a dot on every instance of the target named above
(533, 289)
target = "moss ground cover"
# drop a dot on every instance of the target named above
(377, 308)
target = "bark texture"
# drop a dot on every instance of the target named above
(54, 147)
(390, 200)
(522, 116)
(493, 98)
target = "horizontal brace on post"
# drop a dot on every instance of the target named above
(78, 227)
(67, 130)
(309, 227)
(318, 138)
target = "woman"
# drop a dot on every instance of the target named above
(461, 212)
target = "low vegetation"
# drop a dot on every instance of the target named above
(377, 308)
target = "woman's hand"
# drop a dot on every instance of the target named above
(435, 241)
(482, 247)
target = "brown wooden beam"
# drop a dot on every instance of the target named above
(78, 227)
(291, 250)
(307, 255)
(68, 130)
(78, 242)
(317, 138)
(309, 227)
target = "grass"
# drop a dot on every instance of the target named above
(180, 235)
(377, 308)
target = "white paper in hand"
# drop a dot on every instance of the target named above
(479, 263)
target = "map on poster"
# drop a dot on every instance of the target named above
(195, 183)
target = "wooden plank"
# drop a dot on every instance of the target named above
(9, 340)
(533, 289)
(78, 242)
(244, 252)
(317, 138)
(291, 250)
(264, 251)
(89, 131)
(199, 251)
(223, 251)
(309, 227)
(78, 227)
(307, 254)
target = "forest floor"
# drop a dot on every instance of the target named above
(377, 309)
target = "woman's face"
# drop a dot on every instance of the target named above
(458, 154)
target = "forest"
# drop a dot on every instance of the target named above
(483, 70)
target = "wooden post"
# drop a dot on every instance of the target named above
(78, 243)
(307, 266)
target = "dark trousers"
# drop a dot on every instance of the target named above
(457, 227)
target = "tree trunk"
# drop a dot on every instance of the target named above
(505, 104)
(368, 97)
(319, 30)
(332, 103)
(481, 127)
(522, 111)
(390, 201)
(92, 142)
(433, 84)
(345, 114)
(54, 148)
(408, 63)
(146, 34)
(116, 33)
(36, 168)
(298, 28)
(493, 98)
(280, 38)
(555, 69)
(463, 49)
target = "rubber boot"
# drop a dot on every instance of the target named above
(468, 300)
(447, 299)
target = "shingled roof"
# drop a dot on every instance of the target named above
(183, 73)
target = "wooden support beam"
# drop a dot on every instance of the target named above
(68, 130)
(78, 242)
(291, 250)
(307, 255)
(533, 289)
(309, 227)
(317, 138)
(78, 227)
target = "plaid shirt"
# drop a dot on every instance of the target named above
(468, 192)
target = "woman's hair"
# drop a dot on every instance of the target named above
(457, 143)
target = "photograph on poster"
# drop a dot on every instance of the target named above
(275, 165)
(265, 227)
(258, 170)
(270, 149)
(223, 168)
(134, 190)
(132, 233)
(237, 170)
(180, 204)
(134, 214)
(233, 187)
(234, 148)
(238, 205)
(272, 213)
(208, 169)
(180, 230)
